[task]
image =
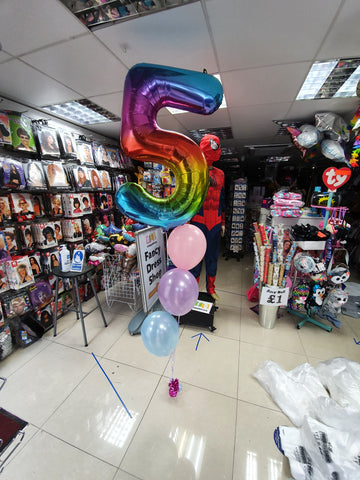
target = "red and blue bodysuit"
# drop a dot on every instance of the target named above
(211, 216)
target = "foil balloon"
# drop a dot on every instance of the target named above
(333, 150)
(148, 88)
(333, 125)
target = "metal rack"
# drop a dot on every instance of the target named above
(119, 286)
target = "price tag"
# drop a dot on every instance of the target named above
(274, 296)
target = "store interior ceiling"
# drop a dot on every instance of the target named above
(263, 51)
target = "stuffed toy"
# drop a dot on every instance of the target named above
(332, 304)
(316, 296)
(339, 274)
(299, 296)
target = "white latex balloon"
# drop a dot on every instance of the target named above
(333, 150)
(309, 136)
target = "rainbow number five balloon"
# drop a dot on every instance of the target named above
(148, 88)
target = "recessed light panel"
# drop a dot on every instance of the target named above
(83, 112)
(331, 79)
(104, 13)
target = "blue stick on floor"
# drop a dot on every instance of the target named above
(108, 379)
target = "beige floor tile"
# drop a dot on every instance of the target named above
(39, 387)
(99, 338)
(251, 358)
(353, 323)
(46, 457)
(229, 299)
(227, 322)
(256, 455)
(284, 336)
(179, 439)
(121, 475)
(324, 345)
(130, 349)
(213, 365)
(102, 426)
(19, 357)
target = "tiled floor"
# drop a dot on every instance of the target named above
(219, 428)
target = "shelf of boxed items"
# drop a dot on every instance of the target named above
(235, 219)
(41, 197)
(156, 179)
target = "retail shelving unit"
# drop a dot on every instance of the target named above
(235, 219)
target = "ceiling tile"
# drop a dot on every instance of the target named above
(82, 64)
(176, 37)
(23, 83)
(192, 121)
(256, 86)
(26, 26)
(167, 121)
(344, 38)
(306, 109)
(111, 130)
(4, 56)
(249, 34)
(112, 102)
(262, 117)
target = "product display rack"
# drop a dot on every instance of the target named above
(43, 215)
(235, 219)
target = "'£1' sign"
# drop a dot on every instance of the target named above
(335, 178)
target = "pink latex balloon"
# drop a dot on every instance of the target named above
(186, 246)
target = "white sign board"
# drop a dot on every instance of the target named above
(274, 296)
(150, 249)
(203, 307)
(78, 261)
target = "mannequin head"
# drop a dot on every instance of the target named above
(210, 146)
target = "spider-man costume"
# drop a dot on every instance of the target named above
(211, 216)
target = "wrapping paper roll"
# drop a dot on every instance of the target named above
(270, 274)
(264, 238)
(281, 274)
(276, 274)
(266, 262)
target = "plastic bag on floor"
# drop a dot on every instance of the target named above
(333, 415)
(318, 452)
(341, 377)
(294, 391)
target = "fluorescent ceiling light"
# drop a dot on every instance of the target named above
(332, 78)
(319, 72)
(176, 111)
(348, 89)
(82, 111)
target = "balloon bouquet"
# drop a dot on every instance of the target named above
(330, 134)
(147, 89)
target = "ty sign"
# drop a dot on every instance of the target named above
(335, 178)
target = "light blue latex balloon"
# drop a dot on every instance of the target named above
(160, 333)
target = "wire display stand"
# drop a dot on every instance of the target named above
(119, 286)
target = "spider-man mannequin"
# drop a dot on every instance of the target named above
(211, 216)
